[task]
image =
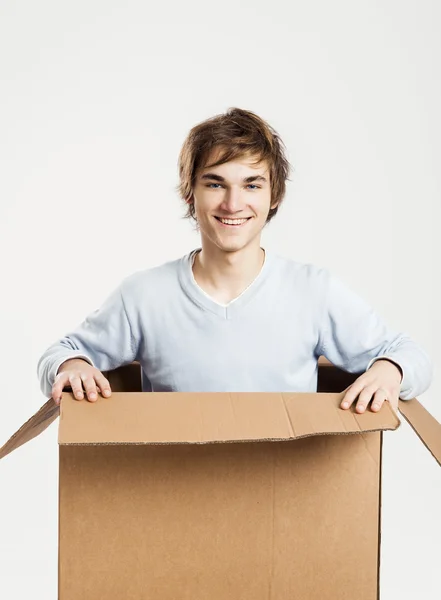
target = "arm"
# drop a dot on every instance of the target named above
(104, 340)
(354, 338)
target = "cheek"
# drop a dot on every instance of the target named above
(262, 207)
(205, 202)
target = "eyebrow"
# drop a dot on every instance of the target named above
(250, 179)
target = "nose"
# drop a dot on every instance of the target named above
(232, 200)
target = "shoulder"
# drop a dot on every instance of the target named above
(299, 273)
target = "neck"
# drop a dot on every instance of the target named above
(225, 275)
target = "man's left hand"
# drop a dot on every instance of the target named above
(379, 383)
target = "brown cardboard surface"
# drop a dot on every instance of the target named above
(248, 521)
(33, 427)
(167, 418)
(159, 500)
(428, 429)
(425, 426)
(329, 378)
(126, 378)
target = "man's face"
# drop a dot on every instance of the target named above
(232, 202)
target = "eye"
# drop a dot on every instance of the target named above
(252, 185)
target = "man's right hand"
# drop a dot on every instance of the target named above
(77, 373)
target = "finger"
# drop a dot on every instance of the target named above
(90, 387)
(350, 396)
(364, 398)
(55, 395)
(378, 400)
(60, 382)
(76, 385)
(104, 385)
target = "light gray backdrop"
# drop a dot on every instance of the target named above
(96, 98)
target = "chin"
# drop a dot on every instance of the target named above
(233, 245)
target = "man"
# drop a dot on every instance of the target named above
(231, 316)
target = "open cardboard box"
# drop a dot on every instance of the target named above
(217, 496)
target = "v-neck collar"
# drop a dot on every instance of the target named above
(203, 300)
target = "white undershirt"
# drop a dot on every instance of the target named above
(213, 299)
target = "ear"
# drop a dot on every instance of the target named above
(274, 204)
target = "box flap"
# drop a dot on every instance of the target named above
(33, 427)
(427, 428)
(198, 418)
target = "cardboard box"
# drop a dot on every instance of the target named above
(217, 496)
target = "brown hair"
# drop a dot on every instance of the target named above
(236, 133)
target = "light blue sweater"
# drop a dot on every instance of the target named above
(267, 339)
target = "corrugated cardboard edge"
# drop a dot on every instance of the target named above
(216, 417)
(427, 428)
(58, 531)
(236, 441)
(380, 497)
(33, 427)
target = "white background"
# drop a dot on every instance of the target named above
(96, 99)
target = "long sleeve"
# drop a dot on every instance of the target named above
(353, 336)
(104, 339)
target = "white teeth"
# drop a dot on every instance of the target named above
(233, 221)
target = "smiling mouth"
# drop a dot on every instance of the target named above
(232, 222)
